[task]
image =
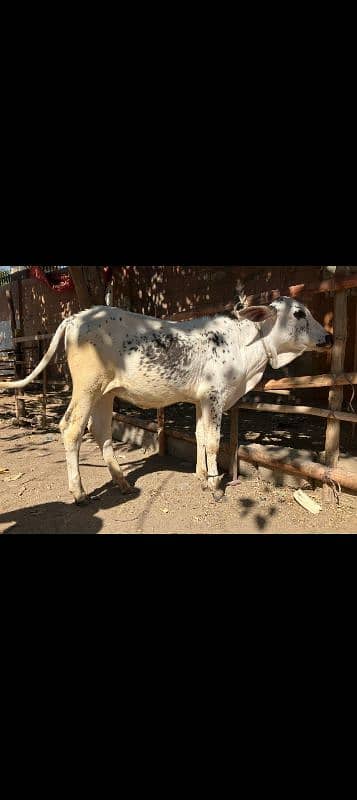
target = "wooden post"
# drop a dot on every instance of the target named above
(17, 410)
(161, 431)
(233, 443)
(44, 397)
(41, 349)
(20, 410)
(21, 313)
(355, 362)
(332, 442)
(19, 370)
(11, 308)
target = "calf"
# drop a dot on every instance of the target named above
(211, 362)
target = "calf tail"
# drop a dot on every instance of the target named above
(43, 363)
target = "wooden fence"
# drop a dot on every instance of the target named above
(328, 474)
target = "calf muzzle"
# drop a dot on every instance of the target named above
(327, 344)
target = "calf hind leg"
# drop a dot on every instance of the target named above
(100, 426)
(72, 427)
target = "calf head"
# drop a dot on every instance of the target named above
(287, 329)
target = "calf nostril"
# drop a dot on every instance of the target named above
(329, 339)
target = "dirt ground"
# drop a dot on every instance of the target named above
(34, 495)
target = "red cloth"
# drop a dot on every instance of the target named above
(57, 281)
(108, 274)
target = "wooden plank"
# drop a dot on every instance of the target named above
(161, 431)
(338, 284)
(20, 408)
(185, 437)
(355, 361)
(276, 408)
(10, 303)
(257, 454)
(44, 397)
(136, 421)
(308, 381)
(274, 391)
(39, 337)
(50, 382)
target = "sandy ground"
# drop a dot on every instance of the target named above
(168, 499)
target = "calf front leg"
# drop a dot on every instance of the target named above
(212, 418)
(201, 465)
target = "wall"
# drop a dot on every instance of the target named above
(163, 291)
(38, 309)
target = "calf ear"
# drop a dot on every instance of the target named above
(257, 313)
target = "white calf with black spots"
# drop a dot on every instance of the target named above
(152, 363)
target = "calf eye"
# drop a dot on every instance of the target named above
(300, 314)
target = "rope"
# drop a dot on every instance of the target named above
(326, 478)
(353, 394)
(335, 385)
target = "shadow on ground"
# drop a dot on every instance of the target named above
(247, 505)
(67, 518)
(61, 518)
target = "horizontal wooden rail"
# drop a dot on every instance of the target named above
(258, 454)
(308, 382)
(34, 383)
(331, 285)
(262, 455)
(277, 408)
(136, 421)
(38, 338)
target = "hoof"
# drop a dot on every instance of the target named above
(126, 487)
(202, 477)
(83, 500)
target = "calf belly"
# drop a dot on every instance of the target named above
(150, 397)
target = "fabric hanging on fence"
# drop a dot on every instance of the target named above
(60, 282)
(57, 281)
(108, 275)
